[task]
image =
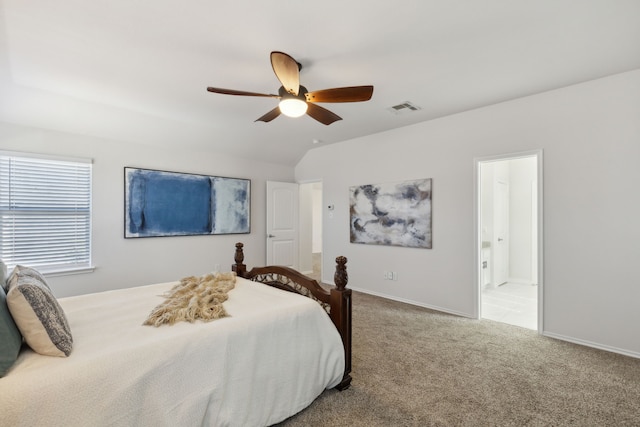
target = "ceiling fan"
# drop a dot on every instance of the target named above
(295, 100)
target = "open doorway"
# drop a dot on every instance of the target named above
(508, 213)
(311, 229)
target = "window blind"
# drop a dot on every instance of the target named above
(45, 212)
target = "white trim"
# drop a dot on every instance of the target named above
(407, 301)
(511, 156)
(68, 272)
(520, 281)
(546, 334)
(592, 344)
(540, 195)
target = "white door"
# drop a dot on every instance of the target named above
(501, 233)
(282, 224)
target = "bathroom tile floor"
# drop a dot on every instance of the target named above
(512, 303)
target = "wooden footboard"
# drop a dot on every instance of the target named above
(336, 301)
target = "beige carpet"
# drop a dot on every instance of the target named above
(417, 367)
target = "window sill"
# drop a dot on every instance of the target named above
(68, 271)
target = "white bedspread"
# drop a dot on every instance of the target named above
(275, 354)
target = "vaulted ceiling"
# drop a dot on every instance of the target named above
(138, 70)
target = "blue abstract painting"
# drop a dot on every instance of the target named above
(160, 203)
(396, 214)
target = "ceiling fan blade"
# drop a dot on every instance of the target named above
(341, 94)
(239, 92)
(269, 116)
(322, 115)
(287, 71)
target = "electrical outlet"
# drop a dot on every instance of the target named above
(390, 275)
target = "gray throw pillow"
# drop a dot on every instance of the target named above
(38, 314)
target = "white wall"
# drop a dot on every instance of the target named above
(310, 225)
(305, 227)
(522, 172)
(590, 134)
(130, 262)
(317, 217)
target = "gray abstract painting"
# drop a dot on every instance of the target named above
(395, 214)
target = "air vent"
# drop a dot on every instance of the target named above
(404, 108)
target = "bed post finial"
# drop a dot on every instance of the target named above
(239, 267)
(341, 277)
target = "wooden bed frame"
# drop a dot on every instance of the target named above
(336, 301)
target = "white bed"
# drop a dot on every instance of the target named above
(270, 359)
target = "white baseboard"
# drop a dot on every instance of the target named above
(546, 334)
(520, 281)
(592, 344)
(416, 303)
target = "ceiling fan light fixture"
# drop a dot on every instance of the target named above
(295, 99)
(293, 107)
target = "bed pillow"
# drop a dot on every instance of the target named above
(10, 337)
(26, 271)
(38, 314)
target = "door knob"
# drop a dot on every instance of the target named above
(270, 235)
(500, 239)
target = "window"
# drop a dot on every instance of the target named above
(45, 212)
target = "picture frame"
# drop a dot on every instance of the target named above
(163, 203)
(392, 214)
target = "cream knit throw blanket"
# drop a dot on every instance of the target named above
(194, 298)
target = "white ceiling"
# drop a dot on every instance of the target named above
(137, 70)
